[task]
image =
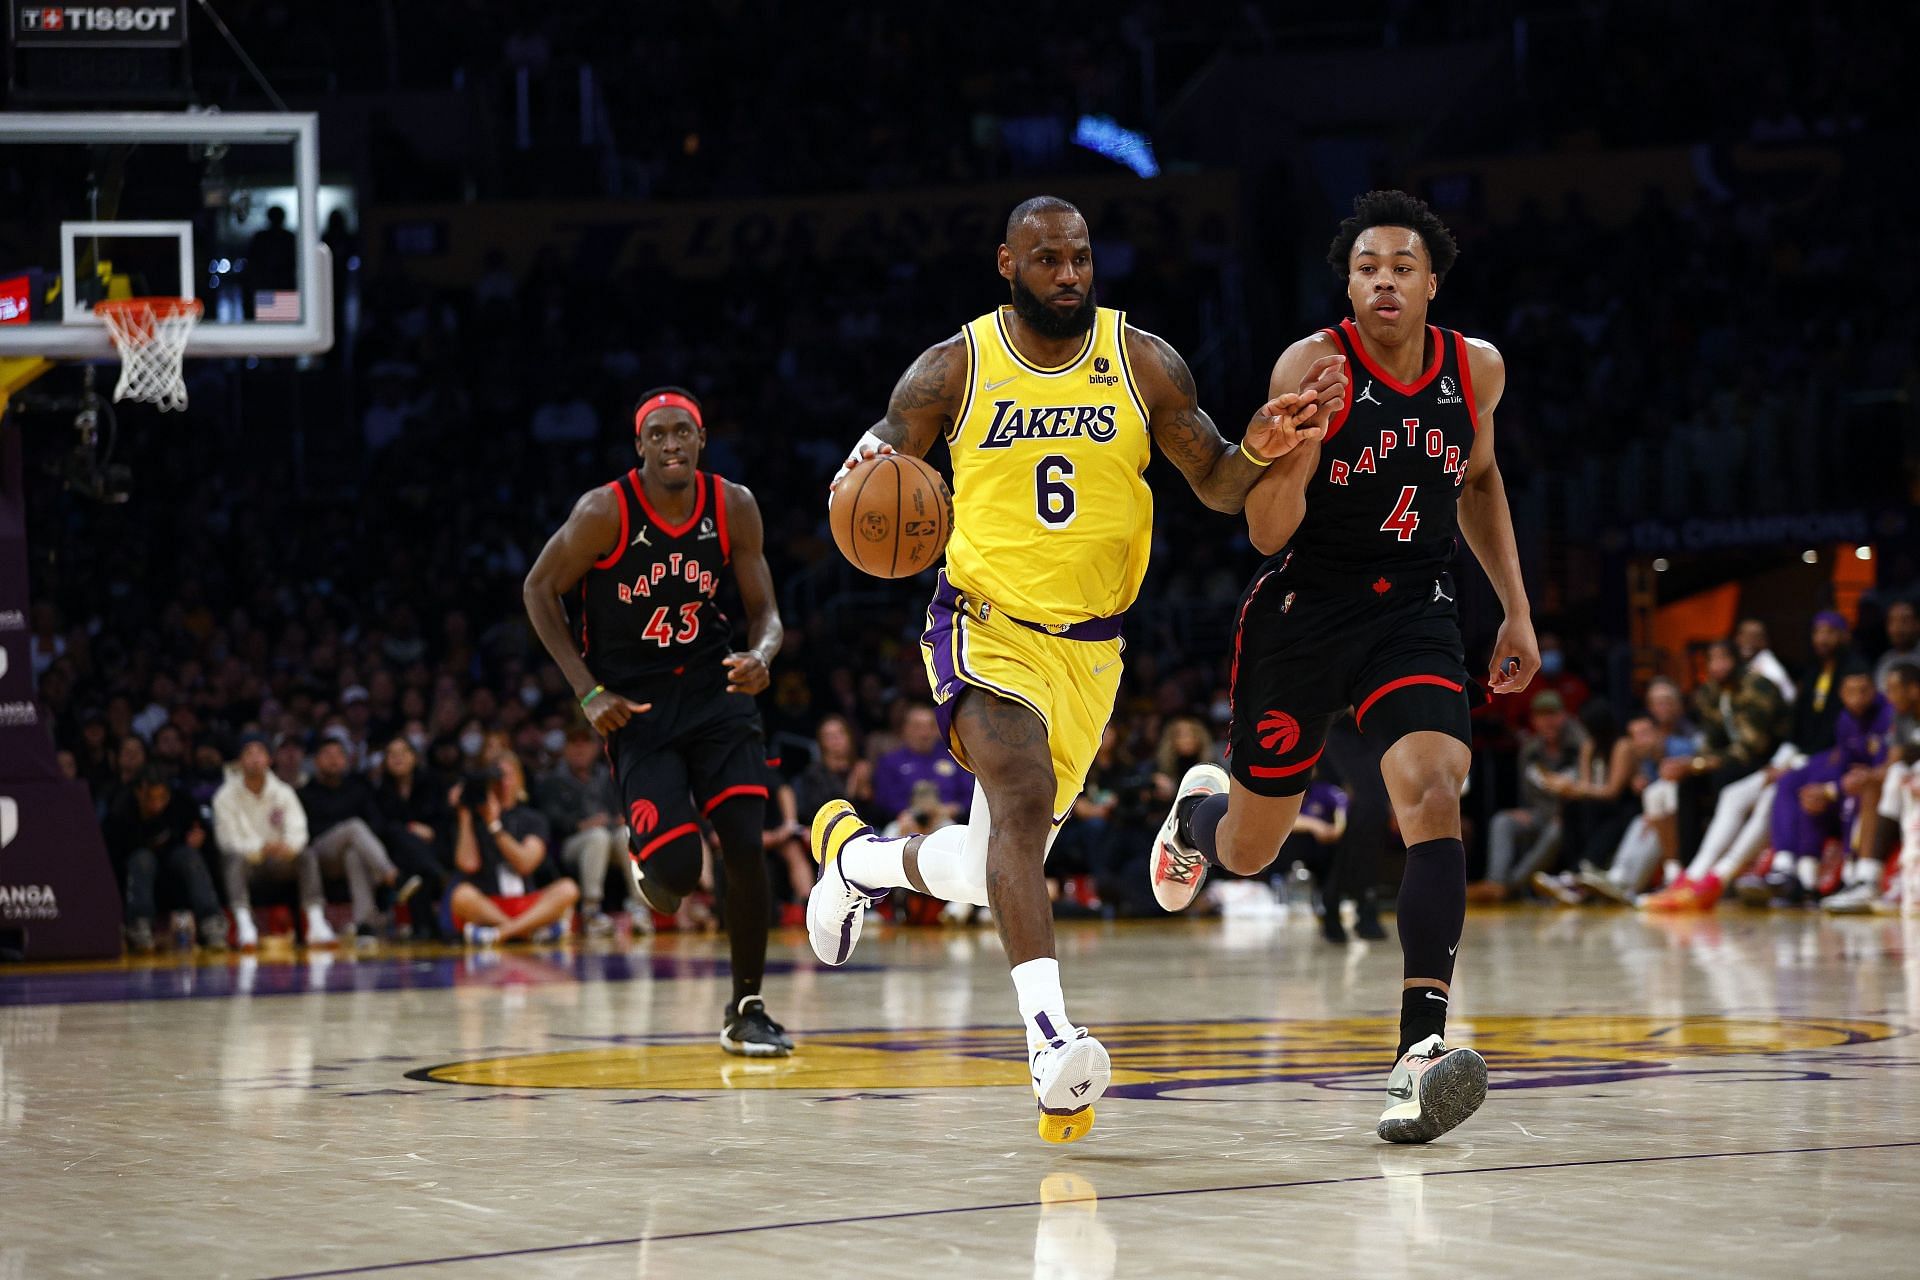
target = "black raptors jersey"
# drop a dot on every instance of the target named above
(649, 610)
(1381, 504)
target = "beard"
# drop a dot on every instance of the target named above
(1046, 320)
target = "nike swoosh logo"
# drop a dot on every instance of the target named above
(1455, 947)
(995, 386)
(1105, 666)
(1435, 995)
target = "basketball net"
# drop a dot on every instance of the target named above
(151, 335)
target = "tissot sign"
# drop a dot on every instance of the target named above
(155, 23)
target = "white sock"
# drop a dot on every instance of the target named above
(1043, 1007)
(1867, 871)
(1808, 869)
(873, 863)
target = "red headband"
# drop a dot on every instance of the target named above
(666, 400)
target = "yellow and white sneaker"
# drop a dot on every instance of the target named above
(837, 907)
(1069, 1075)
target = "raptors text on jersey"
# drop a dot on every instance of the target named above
(650, 608)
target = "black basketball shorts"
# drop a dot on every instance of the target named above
(1305, 650)
(695, 749)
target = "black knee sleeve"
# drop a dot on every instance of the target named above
(738, 822)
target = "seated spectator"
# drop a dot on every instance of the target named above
(1817, 707)
(1183, 744)
(1893, 840)
(154, 839)
(920, 757)
(1551, 751)
(583, 810)
(1634, 861)
(261, 831)
(343, 832)
(786, 837)
(836, 772)
(417, 828)
(1816, 802)
(1741, 717)
(1903, 642)
(508, 886)
(1597, 800)
(1751, 639)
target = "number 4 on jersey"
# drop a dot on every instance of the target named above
(661, 633)
(1404, 519)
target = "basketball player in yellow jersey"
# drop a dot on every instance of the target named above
(1048, 407)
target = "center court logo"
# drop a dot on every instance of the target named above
(1168, 1059)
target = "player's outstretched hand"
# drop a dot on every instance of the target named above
(1516, 657)
(1280, 425)
(608, 711)
(1327, 379)
(746, 673)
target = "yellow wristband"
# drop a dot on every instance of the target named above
(1253, 457)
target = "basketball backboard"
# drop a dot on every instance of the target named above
(226, 208)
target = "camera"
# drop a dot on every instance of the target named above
(475, 784)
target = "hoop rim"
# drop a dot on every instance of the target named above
(161, 306)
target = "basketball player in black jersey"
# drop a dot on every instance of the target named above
(652, 663)
(1355, 608)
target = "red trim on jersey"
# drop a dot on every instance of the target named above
(1359, 348)
(620, 547)
(1333, 428)
(730, 793)
(1285, 770)
(720, 521)
(672, 530)
(1404, 682)
(684, 829)
(1466, 378)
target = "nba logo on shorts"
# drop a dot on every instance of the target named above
(1279, 732)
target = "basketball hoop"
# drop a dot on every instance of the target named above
(151, 335)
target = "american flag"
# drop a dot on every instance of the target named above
(277, 304)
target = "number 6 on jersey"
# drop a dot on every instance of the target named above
(1053, 497)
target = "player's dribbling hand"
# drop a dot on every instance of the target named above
(746, 673)
(1516, 657)
(870, 447)
(607, 711)
(1327, 379)
(1280, 425)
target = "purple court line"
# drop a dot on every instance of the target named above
(1035, 1204)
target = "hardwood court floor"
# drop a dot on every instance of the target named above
(1738, 1095)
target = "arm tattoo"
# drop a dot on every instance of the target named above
(924, 386)
(1188, 436)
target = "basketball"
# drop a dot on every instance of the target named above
(891, 516)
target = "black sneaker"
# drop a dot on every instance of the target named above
(213, 933)
(652, 892)
(750, 1033)
(1331, 927)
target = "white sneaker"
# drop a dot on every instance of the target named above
(1855, 900)
(481, 935)
(1176, 868)
(246, 934)
(836, 908)
(1432, 1089)
(319, 932)
(1069, 1075)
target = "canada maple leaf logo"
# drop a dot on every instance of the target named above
(1278, 732)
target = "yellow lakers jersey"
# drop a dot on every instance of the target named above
(1053, 520)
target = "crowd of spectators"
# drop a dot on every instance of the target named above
(353, 600)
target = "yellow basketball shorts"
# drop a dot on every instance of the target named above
(1069, 682)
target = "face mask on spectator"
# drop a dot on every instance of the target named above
(555, 740)
(530, 696)
(1221, 711)
(1551, 662)
(470, 743)
(418, 741)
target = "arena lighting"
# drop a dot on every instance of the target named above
(1105, 136)
(1810, 556)
(1863, 553)
(1661, 565)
